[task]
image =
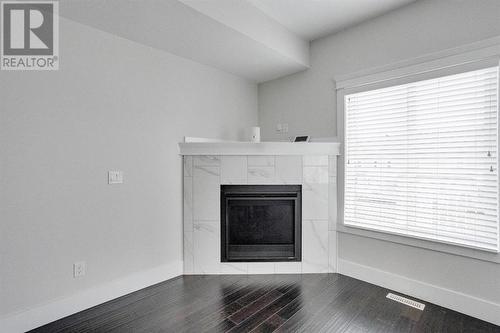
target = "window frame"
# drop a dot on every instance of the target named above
(402, 75)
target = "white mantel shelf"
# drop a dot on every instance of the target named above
(262, 148)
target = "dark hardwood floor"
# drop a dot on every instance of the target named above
(264, 303)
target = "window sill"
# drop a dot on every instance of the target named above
(421, 243)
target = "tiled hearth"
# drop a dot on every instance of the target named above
(203, 175)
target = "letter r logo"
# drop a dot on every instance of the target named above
(28, 28)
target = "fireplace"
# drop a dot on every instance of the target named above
(261, 223)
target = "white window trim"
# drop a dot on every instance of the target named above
(448, 61)
(474, 52)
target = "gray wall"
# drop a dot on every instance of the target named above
(306, 101)
(114, 104)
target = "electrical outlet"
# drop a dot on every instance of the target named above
(115, 177)
(79, 269)
(284, 128)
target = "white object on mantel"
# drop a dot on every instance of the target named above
(261, 148)
(255, 137)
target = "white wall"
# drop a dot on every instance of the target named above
(114, 104)
(306, 101)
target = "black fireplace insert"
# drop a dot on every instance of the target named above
(261, 223)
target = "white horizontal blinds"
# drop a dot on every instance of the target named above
(421, 159)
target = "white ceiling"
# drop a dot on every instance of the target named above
(259, 40)
(312, 19)
(233, 36)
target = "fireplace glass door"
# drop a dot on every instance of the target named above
(260, 222)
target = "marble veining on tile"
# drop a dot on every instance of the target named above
(288, 169)
(188, 166)
(206, 193)
(316, 174)
(332, 166)
(263, 160)
(291, 267)
(315, 246)
(188, 253)
(206, 247)
(198, 170)
(332, 204)
(315, 201)
(188, 204)
(332, 251)
(260, 268)
(234, 170)
(206, 160)
(261, 175)
(234, 268)
(315, 160)
(205, 174)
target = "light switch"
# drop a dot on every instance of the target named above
(115, 177)
(79, 269)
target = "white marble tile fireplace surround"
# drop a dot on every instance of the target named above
(203, 175)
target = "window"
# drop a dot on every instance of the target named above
(421, 159)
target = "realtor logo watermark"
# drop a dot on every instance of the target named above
(29, 35)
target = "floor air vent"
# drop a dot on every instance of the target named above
(406, 301)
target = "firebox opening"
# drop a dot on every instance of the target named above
(260, 223)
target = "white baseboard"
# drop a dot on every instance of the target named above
(467, 304)
(62, 307)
